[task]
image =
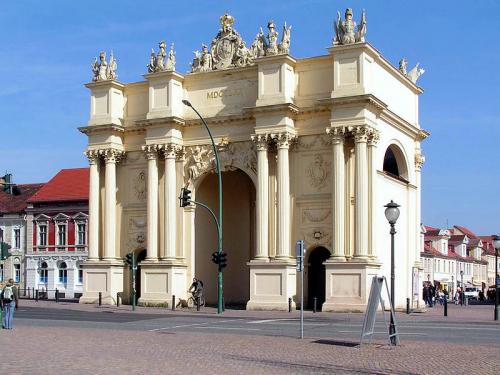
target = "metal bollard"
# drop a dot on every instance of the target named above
(57, 295)
(445, 306)
(315, 301)
(100, 298)
(407, 305)
(36, 295)
(118, 295)
(290, 304)
(197, 303)
(173, 302)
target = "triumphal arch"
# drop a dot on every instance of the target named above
(310, 149)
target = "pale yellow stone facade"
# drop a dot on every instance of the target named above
(302, 145)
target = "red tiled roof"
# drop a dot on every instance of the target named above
(456, 238)
(465, 231)
(15, 203)
(487, 245)
(428, 249)
(67, 185)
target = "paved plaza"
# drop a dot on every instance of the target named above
(161, 341)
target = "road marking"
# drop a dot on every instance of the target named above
(382, 333)
(234, 328)
(181, 326)
(269, 321)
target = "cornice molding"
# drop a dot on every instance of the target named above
(98, 129)
(288, 108)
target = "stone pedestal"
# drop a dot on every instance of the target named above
(348, 285)
(161, 280)
(271, 284)
(102, 276)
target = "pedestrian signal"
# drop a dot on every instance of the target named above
(185, 197)
(129, 259)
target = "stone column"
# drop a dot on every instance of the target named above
(283, 144)
(338, 192)
(93, 230)
(419, 162)
(170, 201)
(262, 250)
(373, 138)
(111, 157)
(361, 191)
(152, 156)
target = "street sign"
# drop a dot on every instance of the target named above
(299, 253)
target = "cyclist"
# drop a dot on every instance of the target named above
(196, 289)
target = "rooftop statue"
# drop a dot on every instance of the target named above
(414, 74)
(103, 70)
(346, 31)
(228, 49)
(161, 62)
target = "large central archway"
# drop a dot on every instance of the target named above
(238, 235)
(316, 276)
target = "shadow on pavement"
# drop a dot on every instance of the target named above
(349, 344)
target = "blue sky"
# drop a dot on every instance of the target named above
(47, 48)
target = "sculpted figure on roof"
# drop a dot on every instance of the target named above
(414, 74)
(346, 31)
(102, 70)
(228, 49)
(161, 62)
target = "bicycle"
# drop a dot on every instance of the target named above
(192, 301)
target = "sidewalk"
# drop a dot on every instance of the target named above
(465, 314)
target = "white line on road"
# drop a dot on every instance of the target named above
(383, 333)
(235, 328)
(181, 326)
(269, 321)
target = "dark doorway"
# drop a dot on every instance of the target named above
(141, 255)
(316, 277)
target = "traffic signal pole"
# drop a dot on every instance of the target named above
(219, 222)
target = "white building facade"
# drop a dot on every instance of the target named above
(310, 149)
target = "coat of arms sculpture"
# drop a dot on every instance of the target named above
(228, 49)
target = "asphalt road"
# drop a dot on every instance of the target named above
(322, 328)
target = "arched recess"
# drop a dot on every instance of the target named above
(238, 234)
(316, 275)
(395, 162)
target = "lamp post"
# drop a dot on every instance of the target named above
(462, 291)
(219, 232)
(452, 287)
(496, 245)
(392, 214)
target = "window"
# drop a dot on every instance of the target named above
(390, 163)
(42, 235)
(80, 276)
(82, 234)
(17, 273)
(44, 273)
(17, 238)
(63, 273)
(61, 234)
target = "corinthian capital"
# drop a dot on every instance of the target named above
(170, 150)
(93, 156)
(151, 151)
(373, 137)
(337, 134)
(361, 134)
(419, 161)
(261, 141)
(284, 139)
(112, 155)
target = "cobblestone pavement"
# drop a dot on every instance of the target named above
(56, 350)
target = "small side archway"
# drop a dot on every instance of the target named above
(316, 276)
(395, 163)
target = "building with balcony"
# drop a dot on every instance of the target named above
(57, 233)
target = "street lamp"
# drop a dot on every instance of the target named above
(462, 293)
(452, 286)
(496, 245)
(219, 224)
(392, 214)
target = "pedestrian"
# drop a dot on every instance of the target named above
(9, 297)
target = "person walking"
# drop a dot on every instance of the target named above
(9, 297)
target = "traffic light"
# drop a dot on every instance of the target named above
(129, 259)
(222, 260)
(185, 198)
(215, 257)
(4, 250)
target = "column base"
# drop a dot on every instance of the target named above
(272, 283)
(161, 280)
(348, 285)
(105, 276)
